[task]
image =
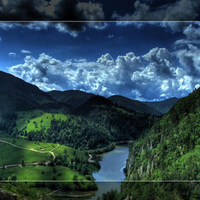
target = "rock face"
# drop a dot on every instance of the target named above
(7, 195)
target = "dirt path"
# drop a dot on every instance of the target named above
(18, 165)
(30, 149)
(90, 159)
(53, 150)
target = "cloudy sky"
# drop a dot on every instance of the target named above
(139, 60)
(100, 10)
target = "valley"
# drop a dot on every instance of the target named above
(51, 140)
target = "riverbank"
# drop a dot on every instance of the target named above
(108, 178)
(110, 147)
(74, 185)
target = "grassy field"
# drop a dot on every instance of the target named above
(30, 144)
(12, 152)
(71, 152)
(37, 172)
(36, 120)
(13, 155)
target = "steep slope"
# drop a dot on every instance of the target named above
(10, 104)
(26, 92)
(169, 151)
(17, 95)
(163, 106)
(134, 105)
(73, 98)
(23, 90)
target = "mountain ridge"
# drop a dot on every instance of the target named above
(74, 98)
(163, 106)
(133, 104)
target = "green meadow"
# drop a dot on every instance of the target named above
(41, 172)
(36, 120)
(12, 155)
(31, 144)
(15, 154)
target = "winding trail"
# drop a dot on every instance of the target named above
(30, 149)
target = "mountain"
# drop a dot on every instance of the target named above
(121, 123)
(24, 91)
(163, 106)
(134, 105)
(168, 151)
(73, 98)
(18, 95)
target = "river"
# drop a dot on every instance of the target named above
(110, 175)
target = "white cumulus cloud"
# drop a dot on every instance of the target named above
(147, 77)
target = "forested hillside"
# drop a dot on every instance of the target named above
(169, 154)
(122, 124)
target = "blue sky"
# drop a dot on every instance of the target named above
(143, 61)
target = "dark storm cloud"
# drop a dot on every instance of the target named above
(72, 28)
(21, 10)
(160, 62)
(54, 10)
(74, 10)
(182, 10)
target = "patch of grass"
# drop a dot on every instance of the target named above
(31, 144)
(13, 155)
(38, 172)
(72, 153)
(36, 120)
(25, 116)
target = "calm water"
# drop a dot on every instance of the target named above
(112, 164)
